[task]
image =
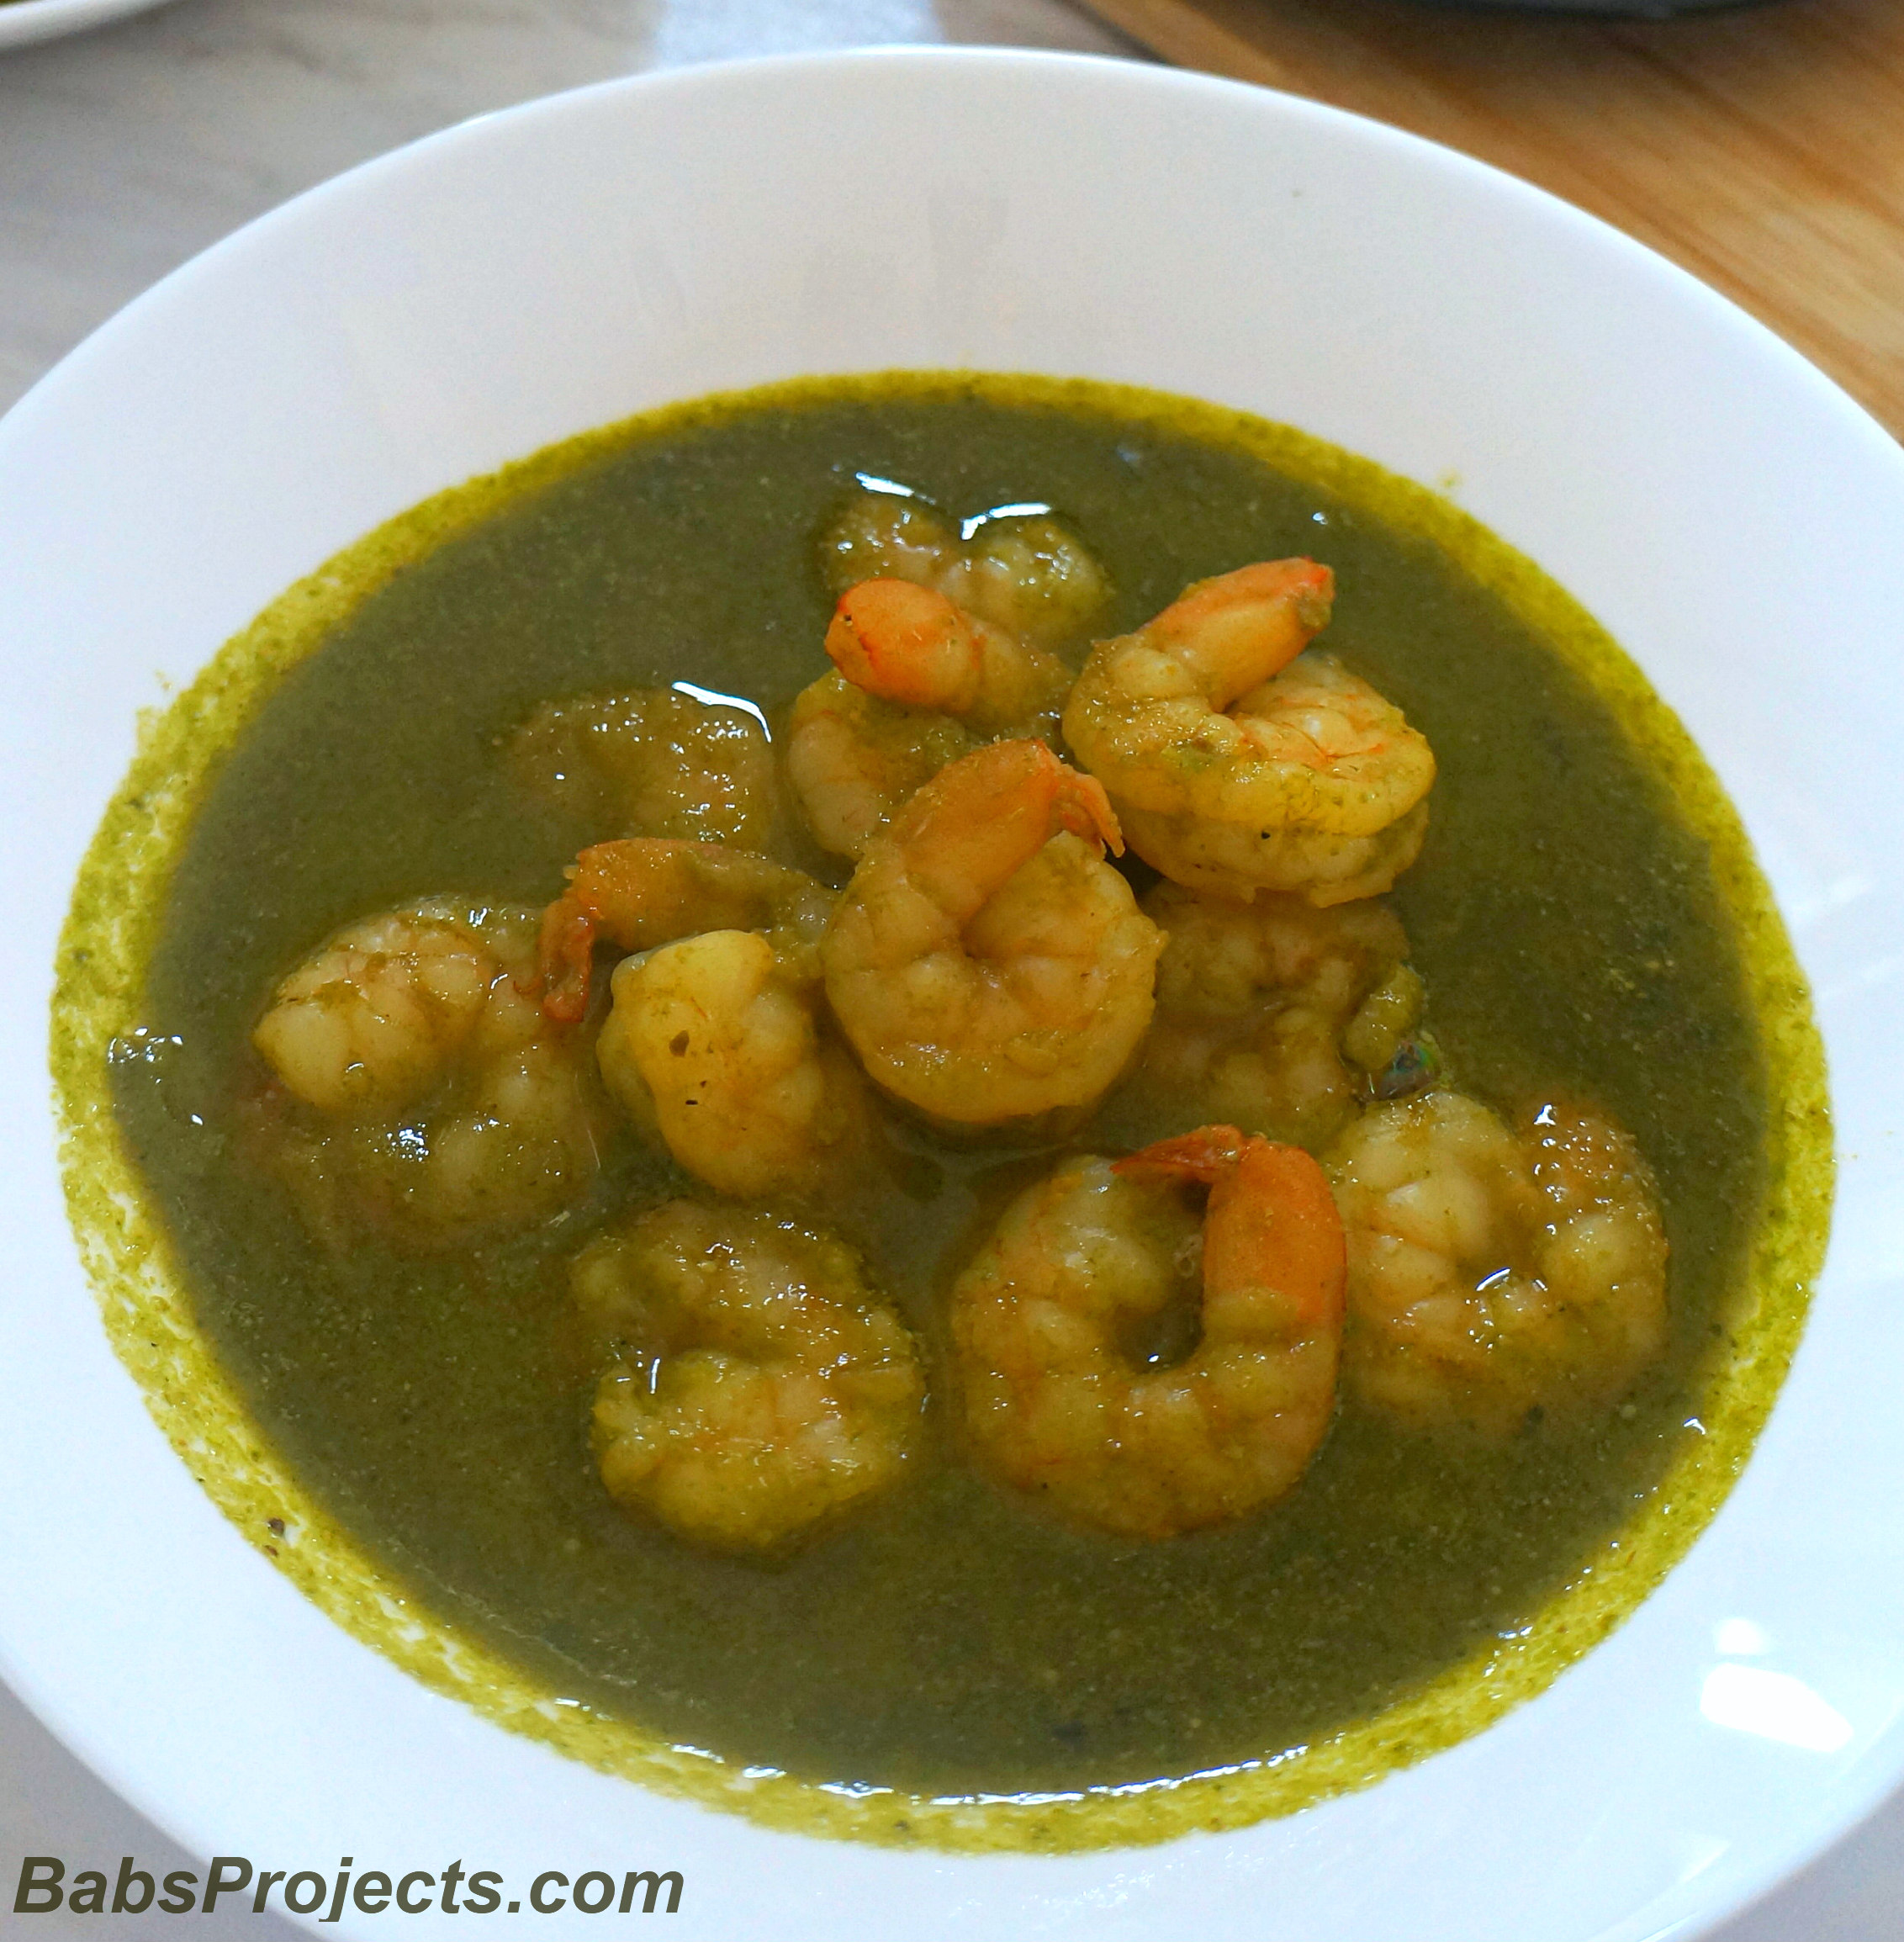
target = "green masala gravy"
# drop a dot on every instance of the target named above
(408, 1434)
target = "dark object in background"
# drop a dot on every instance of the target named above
(1599, 9)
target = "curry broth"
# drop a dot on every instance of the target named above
(1568, 913)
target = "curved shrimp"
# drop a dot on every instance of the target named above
(918, 682)
(1236, 761)
(759, 1387)
(1281, 1017)
(651, 761)
(641, 891)
(434, 1099)
(1497, 1275)
(1071, 1392)
(986, 963)
(716, 1045)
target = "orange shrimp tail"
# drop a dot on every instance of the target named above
(1085, 810)
(632, 893)
(983, 817)
(1208, 1155)
(1271, 1220)
(905, 643)
(566, 953)
(1275, 1220)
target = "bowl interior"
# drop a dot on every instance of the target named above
(521, 279)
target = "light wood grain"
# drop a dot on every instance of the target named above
(1763, 149)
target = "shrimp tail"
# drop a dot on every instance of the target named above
(907, 644)
(986, 816)
(634, 892)
(1272, 1222)
(566, 954)
(1207, 1155)
(1085, 810)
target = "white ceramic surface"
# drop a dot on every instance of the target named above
(23, 21)
(1717, 503)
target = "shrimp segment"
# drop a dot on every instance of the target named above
(1497, 1273)
(760, 1387)
(1051, 1321)
(852, 759)
(1236, 761)
(715, 1044)
(642, 891)
(986, 963)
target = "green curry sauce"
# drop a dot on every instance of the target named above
(408, 1436)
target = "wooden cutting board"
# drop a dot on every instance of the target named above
(1763, 149)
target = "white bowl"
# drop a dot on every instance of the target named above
(23, 22)
(1726, 512)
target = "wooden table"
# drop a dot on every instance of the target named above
(1763, 149)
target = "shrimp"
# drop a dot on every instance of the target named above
(430, 1095)
(1497, 1277)
(984, 962)
(917, 683)
(939, 644)
(651, 761)
(1281, 1017)
(640, 892)
(1072, 1391)
(1237, 762)
(1025, 572)
(759, 1387)
(717, 1046)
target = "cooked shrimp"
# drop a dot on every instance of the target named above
(1239, 763)
(640, 892)
(435, 1098)
(984, 962)
(1497, 1276)
(940, 644)
(717, 1044)
(918, 682)
(1070, 1391)
(651, 761)
(759, 1387)
(1278, 1017)
(1026, 573)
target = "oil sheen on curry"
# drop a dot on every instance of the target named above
(965, 1090)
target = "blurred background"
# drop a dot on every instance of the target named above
(128, 149)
